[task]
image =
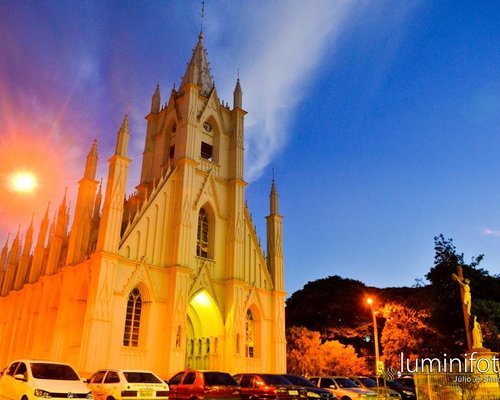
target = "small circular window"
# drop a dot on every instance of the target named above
(207, 126)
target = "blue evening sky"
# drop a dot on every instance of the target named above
(381, 119)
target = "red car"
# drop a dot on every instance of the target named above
(201, 385)
(268, 386)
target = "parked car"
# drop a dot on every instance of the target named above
(313, 392)
(342, 387)
(407, 381)
(268, 386)
(199, 385)
(405, 392)
(383, 392)
(111, 384)
(33, 379)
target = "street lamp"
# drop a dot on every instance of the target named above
(375, 335)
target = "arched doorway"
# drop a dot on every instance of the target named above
(204, 331)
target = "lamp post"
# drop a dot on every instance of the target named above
(375, 334)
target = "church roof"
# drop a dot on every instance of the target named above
(198, 69)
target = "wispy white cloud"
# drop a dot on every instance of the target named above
(491, 232)
(279, 47)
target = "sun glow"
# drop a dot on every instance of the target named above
(24, 182)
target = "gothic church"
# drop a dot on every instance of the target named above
(171, 277)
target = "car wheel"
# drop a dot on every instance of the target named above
(110, 398)
(24, 397)
(345, 398)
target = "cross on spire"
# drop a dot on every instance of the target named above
(202, 16)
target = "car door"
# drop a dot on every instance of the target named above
(111, 385)
(6, 382)
(329, 384)
(246, 384)
(185, 390)
(95, 384)
(173, 385)
(19, 385)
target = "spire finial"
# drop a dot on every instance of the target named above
(202, 17)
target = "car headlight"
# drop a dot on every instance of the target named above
(312, 394)
(42, 393)
(408, 393)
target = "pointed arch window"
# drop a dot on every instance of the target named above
(249, 335)
(202, 236)
(133, 319)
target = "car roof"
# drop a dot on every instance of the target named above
(28, 360)
(125, 370)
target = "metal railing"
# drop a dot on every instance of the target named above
(457, 386)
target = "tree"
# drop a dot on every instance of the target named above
(306, 355)
(406, 333)
(338, 359)
(340, 299)
(303, 353)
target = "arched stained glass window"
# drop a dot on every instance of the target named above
(133, 319)
(249, 334)
(202, 237)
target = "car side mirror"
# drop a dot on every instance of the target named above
(20, 377)
(333, 387)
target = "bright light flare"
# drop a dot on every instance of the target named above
(24, 182)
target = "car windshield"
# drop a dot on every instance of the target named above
(368, 382)
(140, 377)
(271, 379)
(60, 372)
(299, 380)
(345, 383)
(219, 379)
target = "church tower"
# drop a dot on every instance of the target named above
(172, 276)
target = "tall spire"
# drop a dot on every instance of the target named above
(238, 95)
(14, 250)
(275, 240)
(44, 225)
(39, 253)
(5, 250)
(108, 239)
(156, 100)
(61, 223)
(202, 16)
(97, 203)
(91, 165)
(198, 69)
(3, 259)
(273, 199)
(122, 139)
(29, 239)
(22, 268)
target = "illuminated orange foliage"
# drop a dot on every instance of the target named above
(307, 356)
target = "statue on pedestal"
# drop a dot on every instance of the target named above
(477, 335)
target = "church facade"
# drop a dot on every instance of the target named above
(170, 277)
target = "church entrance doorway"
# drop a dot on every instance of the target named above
(204, 332)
